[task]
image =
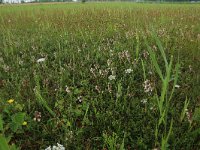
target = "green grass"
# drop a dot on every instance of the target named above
(84, 45)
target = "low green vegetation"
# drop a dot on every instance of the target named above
(109, 76)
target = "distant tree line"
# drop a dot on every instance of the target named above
(117, 0)
(22, 1)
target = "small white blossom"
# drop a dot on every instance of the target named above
(79, 99)
(37, 116)
(48, 148)
(58, 147)
(109, 62)
(190, 68)
(150, 72)
(177, 86)
(144, 101)
(92, 70)
(97, 88)
(111, 77)
(61, 147)
(148, 86)
(40, 60)
(54, 147)
(67, 89)
(128, 71)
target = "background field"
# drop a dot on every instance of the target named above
(85, 94)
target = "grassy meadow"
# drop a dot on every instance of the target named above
(100, 76)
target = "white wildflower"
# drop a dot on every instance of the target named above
(79, 99)
(40, 60)
(111, 77)
(92, 70)
(37, 116)
(148, 86)
(48, 148)
(61, 147)
(144, 101)
(97, 88)
(67, 89)
(177, 86)
(190, 68)
(109, 62)
(151, 108)
(54, 148)
(150, 72)
(128, 71)
(58, 147)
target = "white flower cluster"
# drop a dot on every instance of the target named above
(127, 71)
(189, 115)
(58, 147)
(177, 86)
(148, 86)
(40, 60)
(112, 77)
(144, 101)
(67, 89)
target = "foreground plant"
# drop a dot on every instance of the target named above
(163, 101)
(12, 120)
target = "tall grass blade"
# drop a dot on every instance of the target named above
(3, 143)
(40, 99)
(155, 63)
